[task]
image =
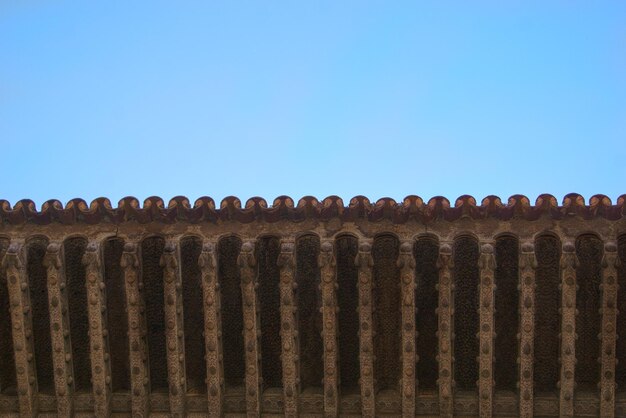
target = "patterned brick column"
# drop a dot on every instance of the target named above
(328, 286)
(212, 329)
(487, 265)
(174, 337)
(60, 330)
(568, 329)
(608, 335)
(444, 332)
(527, 265)
(136, 331)
(19, 299)
(247, 266)
(366, 347)
(406, 263)
(100, 367)
(288, 331)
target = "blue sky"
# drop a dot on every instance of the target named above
(311, 98)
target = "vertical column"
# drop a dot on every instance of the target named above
(327, 264)
(212, 329)
(22, 329)
(487, 265)
(170, 261)
(100, 370)
(528, 264)
(247, 265)
(568, 328)
(60, 330)
(136, 330)
(406, 263)
(288, 332)
(608, 336)
(444, 332)
(366, 344)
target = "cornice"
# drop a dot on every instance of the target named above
(204, 209)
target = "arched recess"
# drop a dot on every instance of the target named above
(152, 277)
(507, 320)
(589, 250)
(386, 295)
(37, 283)
(117, 319)
(7, 360)
(348, 316)
(228, 249)
(466, 277)
(267, 251)
(426, 252)
(193, 314)
(547, 317)
(620, 350)
(309, 315)
(75, 275)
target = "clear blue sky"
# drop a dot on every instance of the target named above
(315, 98)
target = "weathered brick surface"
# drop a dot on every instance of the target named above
(318, 308)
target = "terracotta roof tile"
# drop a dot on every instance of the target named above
(179, 209)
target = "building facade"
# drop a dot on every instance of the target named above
(316, 309)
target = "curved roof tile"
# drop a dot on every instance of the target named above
(230, 208)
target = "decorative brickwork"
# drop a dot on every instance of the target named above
(315, 309)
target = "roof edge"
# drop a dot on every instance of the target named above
(230, 208)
